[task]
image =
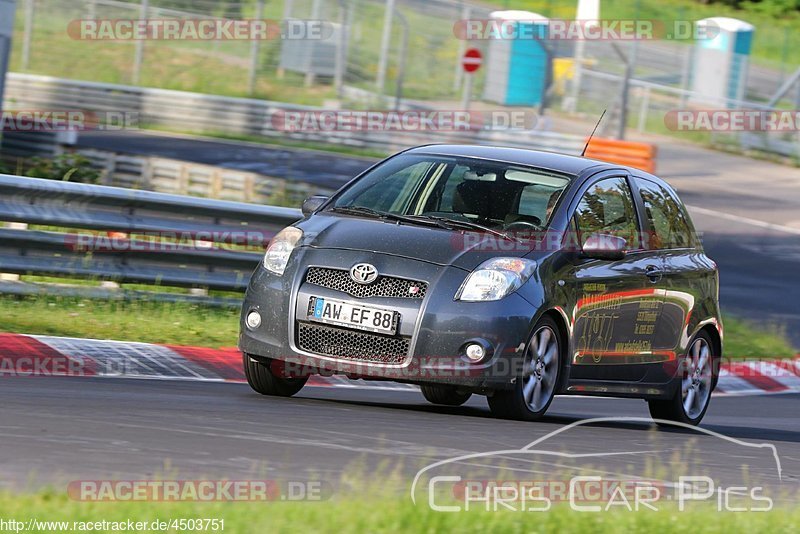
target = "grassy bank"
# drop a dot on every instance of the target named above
(388, 515)
(145, 321)
(190, 324)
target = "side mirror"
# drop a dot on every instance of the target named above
(604, 247)
(312, 204)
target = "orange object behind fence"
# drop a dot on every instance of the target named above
(639, 155)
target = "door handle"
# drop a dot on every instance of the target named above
(653, 273)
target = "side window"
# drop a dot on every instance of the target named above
(607, 208)
(668, 222)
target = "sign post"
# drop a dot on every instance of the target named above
(471, 61)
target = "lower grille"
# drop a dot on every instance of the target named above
(350, 345)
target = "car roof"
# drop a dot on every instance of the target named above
(575, 165)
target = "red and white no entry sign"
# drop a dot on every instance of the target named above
(472, 60)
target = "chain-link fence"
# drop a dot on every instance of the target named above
(379, 53)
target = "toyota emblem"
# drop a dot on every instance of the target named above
(364, 273)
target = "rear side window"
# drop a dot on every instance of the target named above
(607, 208)
(669, 226)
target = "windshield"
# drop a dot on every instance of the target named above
(494, 194)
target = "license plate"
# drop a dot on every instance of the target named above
(341, 313)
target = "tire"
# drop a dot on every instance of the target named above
(444, 395)
(263, 380)
(698, 372)
(537, 383)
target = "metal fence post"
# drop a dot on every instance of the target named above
(28, 34)
(626, 83)
(137, 60)
(644, 110)
(466, 12)
(341, 47)
(386, 39)
(401, 69)
(255, 46)
(316, 6)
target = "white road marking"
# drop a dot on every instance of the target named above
(745, 220)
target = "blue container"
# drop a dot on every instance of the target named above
(518, 66)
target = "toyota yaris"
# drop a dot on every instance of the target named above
(509, 273)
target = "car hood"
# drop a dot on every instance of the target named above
(440, 246)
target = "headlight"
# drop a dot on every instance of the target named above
(496, 278)
(280, 248)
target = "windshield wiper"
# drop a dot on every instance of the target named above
(377, 214)
(468, 225)
(435, 220)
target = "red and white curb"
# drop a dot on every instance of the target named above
(29, 355)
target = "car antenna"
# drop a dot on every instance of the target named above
(592, 134)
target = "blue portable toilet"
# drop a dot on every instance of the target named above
(722, 58)
(518, 65)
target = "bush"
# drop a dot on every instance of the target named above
(66, 167)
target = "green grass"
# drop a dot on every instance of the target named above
(145, 321)
(744, 339)
(375, 515)
(191, 324)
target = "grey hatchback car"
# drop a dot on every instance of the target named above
(509, 273)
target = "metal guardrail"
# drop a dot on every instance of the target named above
(196, 112)
(188, 178)
(195, 245)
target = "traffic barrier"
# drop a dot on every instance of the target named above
(633, 154)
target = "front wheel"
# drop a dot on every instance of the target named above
(263, 380)
(697, 370)
(536, 385)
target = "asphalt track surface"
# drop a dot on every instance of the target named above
(56, 430)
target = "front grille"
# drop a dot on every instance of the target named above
(350, 345)
(384, 286)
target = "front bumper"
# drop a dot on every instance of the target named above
(435, 328)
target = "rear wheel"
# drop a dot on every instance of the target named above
(697, 370)
(262, 379)
(444, 395)
(535, 388)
